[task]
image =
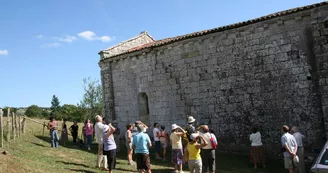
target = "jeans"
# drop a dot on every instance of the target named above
(54, 138)
(89, 139)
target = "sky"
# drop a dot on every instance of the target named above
(47, 47)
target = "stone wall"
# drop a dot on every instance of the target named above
(264, 74)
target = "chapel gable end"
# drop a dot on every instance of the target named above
(141, 39)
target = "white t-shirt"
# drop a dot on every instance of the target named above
(99, 132)
(255, 138)
(176, 141)
(207, 136)
(288, 139)
(155, 132)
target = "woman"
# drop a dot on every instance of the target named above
(109, 146)
(64, 134)
(208, 152)
(256, 154)
(88, 133)
(163, 137)
(192, 152)
(128, 143)
(177, 153)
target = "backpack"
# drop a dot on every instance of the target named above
(214, 143)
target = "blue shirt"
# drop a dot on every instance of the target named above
(141, 142)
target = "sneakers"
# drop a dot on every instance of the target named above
(132, 163)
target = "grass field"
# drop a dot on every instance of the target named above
(32, 153)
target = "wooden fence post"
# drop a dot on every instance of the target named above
(8, 124)
(44, 126)
(1, 131)
(23, 125)
(19, 125)
(16, 126)
(13, 125)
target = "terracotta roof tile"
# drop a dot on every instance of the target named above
(218, 29)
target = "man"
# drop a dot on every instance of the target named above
(207, 152)
(74, 131)
(53, 127)
(99, 140)
(109, 146)
(156, 140)
(141, 144)
(190, 128)
(300, 149)
(289, 144)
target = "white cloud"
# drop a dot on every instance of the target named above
(66, 38)
(89, 35)
(4, 52)
(51, 45)
(39, 36)
(105, 38)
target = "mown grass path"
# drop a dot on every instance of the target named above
(32, 153)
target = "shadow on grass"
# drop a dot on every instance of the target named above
(82, 170)
(69, 144)
(38, 144)
(71, 163)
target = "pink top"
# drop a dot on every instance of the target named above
(88, 129)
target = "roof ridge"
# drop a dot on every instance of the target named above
(130, 39)
(221, 28)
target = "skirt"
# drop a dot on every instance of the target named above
(64, 135)
(257, 154)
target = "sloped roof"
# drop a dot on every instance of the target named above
(219, 29)
(131, 39)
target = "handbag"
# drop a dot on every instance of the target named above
(214, 143)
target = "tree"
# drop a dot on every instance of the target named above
(92, 102)
(70, 112)
(33, 111)
(55, 104)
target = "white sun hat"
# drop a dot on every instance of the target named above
(174, 126)
(191, 119)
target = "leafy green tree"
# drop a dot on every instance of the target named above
(33, 111)
(55, 104)
(92, 102)
(45, 113)
(70, 112)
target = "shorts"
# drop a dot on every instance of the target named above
(143, 161)
(111, 158)
(158, 146)
(128, 145)
(164, 143)
(288, 162)
(177, 156)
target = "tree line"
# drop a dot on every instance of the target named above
(90, 105)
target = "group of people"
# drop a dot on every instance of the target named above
(292, 149)
(191, 145)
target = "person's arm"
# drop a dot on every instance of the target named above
(182, 131)
(203, 144)
(129, 136)
(133, 144)
(149, 142)
(199, 128)
(111, 131)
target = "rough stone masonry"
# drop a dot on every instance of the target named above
(264, 72)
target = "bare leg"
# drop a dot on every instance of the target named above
(164, 153)
(180, 167)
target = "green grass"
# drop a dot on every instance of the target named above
(32, 153)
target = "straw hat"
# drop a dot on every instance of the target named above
(191, 119)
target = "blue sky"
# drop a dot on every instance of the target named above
(47, 47)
